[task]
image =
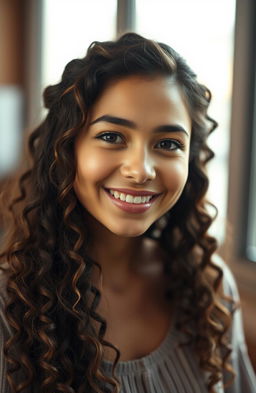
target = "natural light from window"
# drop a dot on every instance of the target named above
(68, 29)
(202, 31)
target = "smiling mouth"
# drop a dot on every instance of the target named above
(132, 199)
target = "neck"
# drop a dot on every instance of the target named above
(117, 256)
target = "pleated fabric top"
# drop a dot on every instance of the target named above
(170, 368)
(174, 369)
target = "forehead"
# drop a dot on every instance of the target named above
(157, 99)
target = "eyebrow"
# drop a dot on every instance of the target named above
(128, 123)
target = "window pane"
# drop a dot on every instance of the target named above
(202, 31)
(69, 26)
(11, 124)
(251, 230)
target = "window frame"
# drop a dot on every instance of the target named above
(234, 250)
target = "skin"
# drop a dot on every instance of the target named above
(134, 157)
(132, 160)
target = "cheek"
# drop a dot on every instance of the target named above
(176, 176)
(93, 168)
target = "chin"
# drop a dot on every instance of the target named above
(129, 230)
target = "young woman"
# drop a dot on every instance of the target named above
(109, 281)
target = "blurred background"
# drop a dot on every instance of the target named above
(218, 40)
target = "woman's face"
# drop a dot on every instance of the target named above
(132, 159)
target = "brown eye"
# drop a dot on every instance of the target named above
(169, 145)
(111, 137)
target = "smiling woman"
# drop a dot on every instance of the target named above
(142, 152)
(110, 282)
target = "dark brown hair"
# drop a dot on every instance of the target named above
(51, 301)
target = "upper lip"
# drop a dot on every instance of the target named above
(133, 192)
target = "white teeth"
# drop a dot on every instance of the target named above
(129, 198)
(137, 199)
(122, 197)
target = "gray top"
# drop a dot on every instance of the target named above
(170, 368)
(174, 369)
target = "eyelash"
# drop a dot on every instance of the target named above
(178, 144)
(105, 134)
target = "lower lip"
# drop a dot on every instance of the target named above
(131, 207)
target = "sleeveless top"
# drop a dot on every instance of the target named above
(170, 368)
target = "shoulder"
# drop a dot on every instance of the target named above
(229, 285)
(230, 291)
(239, 359)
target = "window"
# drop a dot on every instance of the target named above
(202, 31)
(250, 250)
(68, 29)
(251, 229)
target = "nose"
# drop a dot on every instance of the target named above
(138, 166)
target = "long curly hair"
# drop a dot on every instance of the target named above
(51, 303)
